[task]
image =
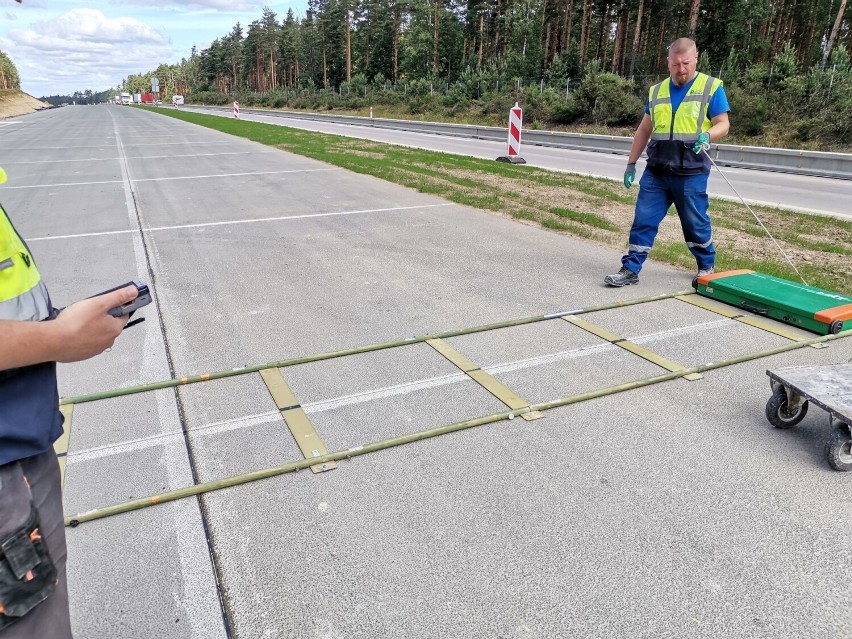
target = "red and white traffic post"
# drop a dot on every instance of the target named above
(236, 110)
(516, 121)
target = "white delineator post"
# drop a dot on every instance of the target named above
(516, 121)
(236, 110)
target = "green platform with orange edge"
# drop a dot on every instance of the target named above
(813, 309)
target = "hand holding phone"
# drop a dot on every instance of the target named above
(90, 326)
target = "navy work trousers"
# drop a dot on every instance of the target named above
(36, 481)
(656, 194)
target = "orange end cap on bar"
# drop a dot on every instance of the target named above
(838, 313)
(704, 279)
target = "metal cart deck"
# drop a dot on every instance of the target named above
(830, 388)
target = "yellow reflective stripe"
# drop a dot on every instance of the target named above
(7, 234)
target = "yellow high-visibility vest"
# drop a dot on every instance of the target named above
(23, 296)
(691, 119)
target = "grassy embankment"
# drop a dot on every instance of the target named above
(596, 209)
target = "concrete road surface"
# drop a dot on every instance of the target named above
(671, 510)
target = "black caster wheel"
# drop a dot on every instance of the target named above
(695, 283)
(835, 327)
(838, 449)
(778, 413)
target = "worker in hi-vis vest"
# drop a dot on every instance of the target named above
(683, 115)
(33, 591)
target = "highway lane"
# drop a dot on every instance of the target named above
(822, 196)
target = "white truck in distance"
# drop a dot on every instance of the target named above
(125, 98)
(177, 100)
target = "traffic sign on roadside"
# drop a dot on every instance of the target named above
(516, 119)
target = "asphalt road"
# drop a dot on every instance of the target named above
(667, 511)
(823, 196)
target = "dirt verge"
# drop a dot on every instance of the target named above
(14, 102)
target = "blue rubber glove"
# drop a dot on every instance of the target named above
(629, 175)
(703, 142)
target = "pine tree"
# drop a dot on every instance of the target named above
(9, 78)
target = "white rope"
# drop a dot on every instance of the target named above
(789, 261)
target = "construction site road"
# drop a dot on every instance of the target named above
(671, 510)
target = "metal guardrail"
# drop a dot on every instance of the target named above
(818, 163)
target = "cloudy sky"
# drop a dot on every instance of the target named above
(62, 46)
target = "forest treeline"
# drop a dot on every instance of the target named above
(527, 39)
(785, 63)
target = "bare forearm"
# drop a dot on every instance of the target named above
(721, 125)
(640, 140)
(81, 331)
(26, 343)
(718, 131)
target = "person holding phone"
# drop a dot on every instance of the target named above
(33, 337)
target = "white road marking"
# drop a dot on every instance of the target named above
(197, 177)
(194, 563)
(153, 339)
(282, 218)
(101, 146)
(163, 179)
(134, 157)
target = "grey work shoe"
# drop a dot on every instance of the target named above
(701, 271)
(624, 277)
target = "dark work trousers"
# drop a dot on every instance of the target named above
(42, 487)
(656, 194)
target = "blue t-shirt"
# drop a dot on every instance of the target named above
(718, 101)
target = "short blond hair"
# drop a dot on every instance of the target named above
(682, 45)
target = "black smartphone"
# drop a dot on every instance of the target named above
(142, 299)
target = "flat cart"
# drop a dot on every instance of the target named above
(830, 388)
